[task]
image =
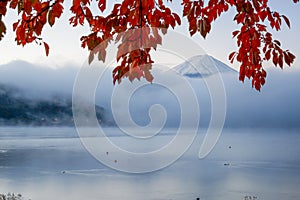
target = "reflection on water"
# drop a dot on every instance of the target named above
(51, 163)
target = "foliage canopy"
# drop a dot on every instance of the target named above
(148, 20)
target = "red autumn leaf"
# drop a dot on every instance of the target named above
(231, 56)
(46, 48)
(264, 73)
(2, 29)
(291, 56)
(36, 5)
(257, 85)
(277, 42)
(262, 81)
(54, 13)
(263, 15)
(15, 25)
(280, 61)
(268, 54)
(256, 5)
(13, 4)
(261, 27)
(102, 5)
(235, 33)
(51, 18)
(286, 59)
(27, 6)
(177, 18)
(39, 27)
(275, 58)
(287, 21)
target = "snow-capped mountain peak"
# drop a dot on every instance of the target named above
(201, 66)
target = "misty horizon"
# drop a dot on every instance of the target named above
(273, 107)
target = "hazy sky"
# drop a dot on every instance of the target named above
(65, 46)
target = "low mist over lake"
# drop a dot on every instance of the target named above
(43, 156)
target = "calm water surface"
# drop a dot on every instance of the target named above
(51, 163)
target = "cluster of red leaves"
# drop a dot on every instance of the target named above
(253, 36)
(254, 41)
(34, 15)
(200, 17)
(130, 25)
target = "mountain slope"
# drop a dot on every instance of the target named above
(17, 110)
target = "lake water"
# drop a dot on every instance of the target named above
(51, 163)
